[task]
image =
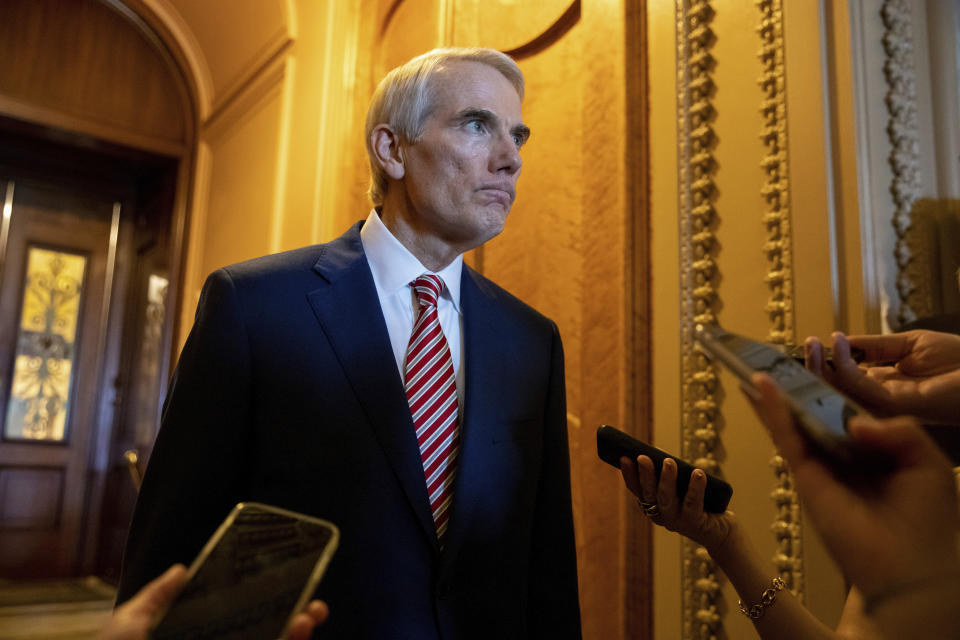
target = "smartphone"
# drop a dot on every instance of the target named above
(258, 570)
(797, 353)
(822, 412)
(613, 444)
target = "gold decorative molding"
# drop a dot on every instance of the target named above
(786, 528)
(193, 55)
(336, 118)
(901, 100)
(778, 249)
(273, 47)
(698, 292)
(264, 86)
(553, 33)
(259, 78)
(934, 243)
(776, 188)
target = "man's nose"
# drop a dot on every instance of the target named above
(506, 157)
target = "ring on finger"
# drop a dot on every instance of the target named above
(650, 508)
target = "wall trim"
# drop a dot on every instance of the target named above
(250, 78)
(262, 86)
(337, 121)
(699, 298)
(191, 51)
(779, 278)
(901, 101)
(566, 21)
(52, 117)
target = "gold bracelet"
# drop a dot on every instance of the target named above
(768, 597)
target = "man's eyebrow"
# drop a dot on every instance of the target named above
(476, 114)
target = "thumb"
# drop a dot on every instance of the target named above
(160, 593)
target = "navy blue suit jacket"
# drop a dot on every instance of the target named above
(287, 392)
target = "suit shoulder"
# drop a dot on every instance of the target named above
(505, 300)
(295, 263)
(275, 264)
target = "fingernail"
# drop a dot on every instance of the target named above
(861, 422)
(697, 473)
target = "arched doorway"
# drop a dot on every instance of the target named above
(97, 143)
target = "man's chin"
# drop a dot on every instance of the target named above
(492, 226)
(473, 231)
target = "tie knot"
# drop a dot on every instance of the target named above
(428, 288)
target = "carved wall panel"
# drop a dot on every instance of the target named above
(701, 415)
(407, 29)
(496, 25)
(901, 100)
(563, 252)
(779, 278)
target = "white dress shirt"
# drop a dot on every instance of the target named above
(394, 268)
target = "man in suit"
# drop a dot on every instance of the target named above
(343, 380)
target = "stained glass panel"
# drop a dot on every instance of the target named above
(39, 394)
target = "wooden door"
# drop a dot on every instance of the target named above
(52, 334)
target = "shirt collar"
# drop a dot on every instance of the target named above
(394, 267)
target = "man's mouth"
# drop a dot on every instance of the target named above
(503, 194)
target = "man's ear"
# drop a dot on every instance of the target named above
(386, 148)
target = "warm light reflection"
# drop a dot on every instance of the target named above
(147, 375)
(8, 204)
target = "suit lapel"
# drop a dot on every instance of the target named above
(348, 310)
(480, 356)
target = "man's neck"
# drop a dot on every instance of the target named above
(432, 252)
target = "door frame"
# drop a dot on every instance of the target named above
(70, 455)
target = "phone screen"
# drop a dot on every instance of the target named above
(261, 566)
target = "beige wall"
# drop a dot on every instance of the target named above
(277, 132)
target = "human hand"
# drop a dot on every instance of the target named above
(899, 530)
(686, 516)
(303, 623)
(923, 379)
(135, 618)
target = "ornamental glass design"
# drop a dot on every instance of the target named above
(39, 395)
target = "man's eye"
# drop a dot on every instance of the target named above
(518, 140)
(477, 126)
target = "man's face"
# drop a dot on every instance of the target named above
(460, 177)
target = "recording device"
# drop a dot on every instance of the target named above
(822, 412)
(257, 571)
(797, 353)
(613, 444)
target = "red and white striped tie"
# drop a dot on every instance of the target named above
(431, 387)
